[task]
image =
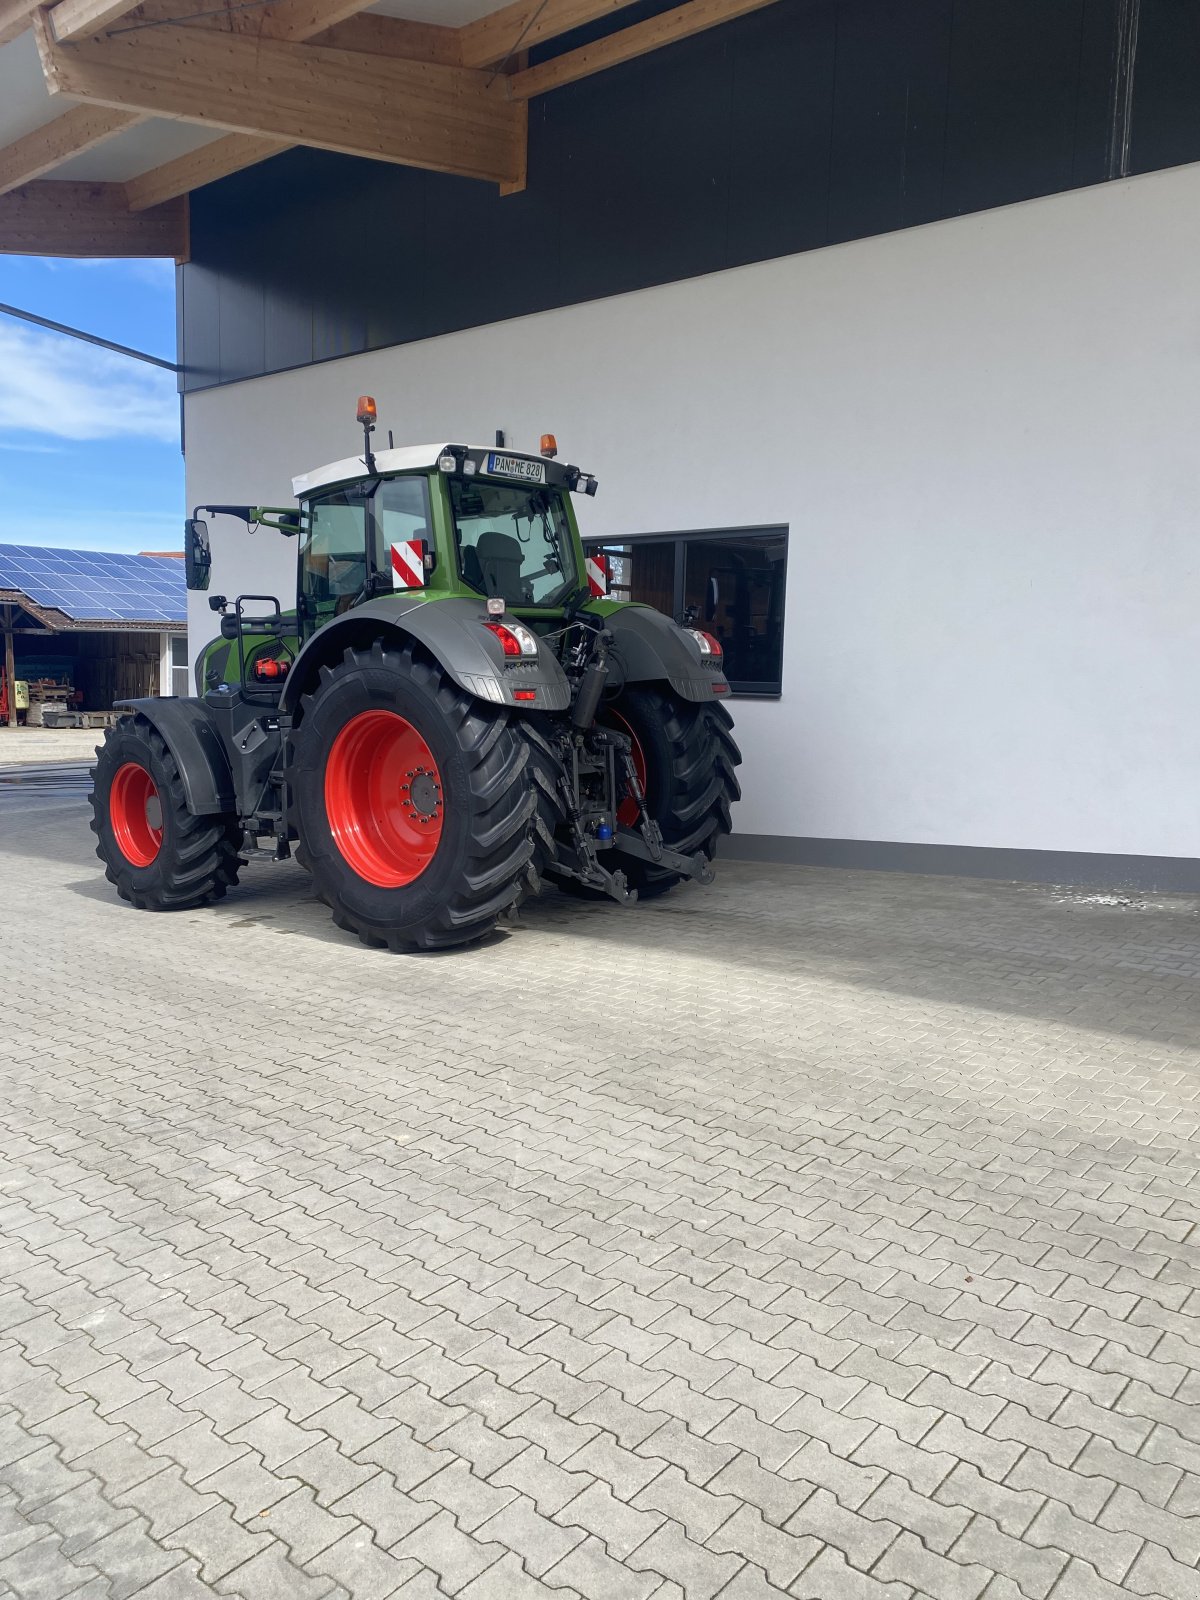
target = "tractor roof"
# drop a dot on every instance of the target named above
(409, 458)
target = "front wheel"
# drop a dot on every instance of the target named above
(410, 800)
(158, 855)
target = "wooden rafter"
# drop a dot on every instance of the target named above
(446, 119)
(294, 20)
(393, 36)
(15, 17)
(79, 129)
(50, 145)
(527, 23)
(694, 16)
(59, 218)
(386, 101)
(80, 19)
(192, 171)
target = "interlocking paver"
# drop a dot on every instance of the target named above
(620, 1527)
(909, 1296)
(446, 1550)
(908, 1560)
(861, 1538)
(1157, 1573)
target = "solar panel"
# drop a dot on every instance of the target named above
(97, 586)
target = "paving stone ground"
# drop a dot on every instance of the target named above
(23, 746)
(821, 1234)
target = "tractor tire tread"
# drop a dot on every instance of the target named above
(494, 872)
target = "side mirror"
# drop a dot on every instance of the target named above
(197, 555)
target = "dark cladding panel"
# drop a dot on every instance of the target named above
(782, 101)
(487, 258)
(1010, 134)
(638, 160)
(199, 346)
(242, 343)
(1166, 97)
(889, 119)
(287, 331)
(801, 124)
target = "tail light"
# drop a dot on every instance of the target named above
(516, 640)
(710, 645)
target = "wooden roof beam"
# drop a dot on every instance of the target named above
(446, 119)
(341, 27)
(526, 23)
(219, 159)
(84, 126)
(55, 142)
(15, 17)
(59, 218)
(80, 19)
(693, 17)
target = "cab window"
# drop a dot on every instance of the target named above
(401, 513)
(333, 554)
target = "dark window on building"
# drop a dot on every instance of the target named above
(729, 582)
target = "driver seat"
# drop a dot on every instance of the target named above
(500, 562)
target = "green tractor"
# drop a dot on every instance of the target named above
(451, 711)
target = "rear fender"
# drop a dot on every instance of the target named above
(452, 631)
(190, 733)
(650, 647)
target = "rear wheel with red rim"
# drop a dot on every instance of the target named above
(383, 798)
(411, 801)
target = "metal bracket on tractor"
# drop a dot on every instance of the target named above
(595, 753)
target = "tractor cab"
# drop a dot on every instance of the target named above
(436, 520)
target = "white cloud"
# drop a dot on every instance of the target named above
(50, 384)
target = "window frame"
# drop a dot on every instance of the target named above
(750, 689)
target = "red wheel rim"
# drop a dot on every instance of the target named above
(135, 811)
(628, 810)
(383, 799)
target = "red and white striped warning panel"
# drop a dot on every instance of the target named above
(408, 564)
(597, 575)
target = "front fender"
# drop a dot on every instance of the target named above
(452, 631)
(190, 734)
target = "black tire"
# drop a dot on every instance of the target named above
(197, 858)
(484, 803)
(549, 813)
(690, 782)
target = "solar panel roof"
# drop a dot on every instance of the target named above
(97, 585)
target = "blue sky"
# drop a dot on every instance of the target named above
(89, 441)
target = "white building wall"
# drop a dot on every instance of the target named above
(982, 434)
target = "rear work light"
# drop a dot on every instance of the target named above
(517, 642)
(710, 646)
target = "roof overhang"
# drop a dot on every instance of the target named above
(111, 112)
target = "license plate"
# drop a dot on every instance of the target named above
(516, 467)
